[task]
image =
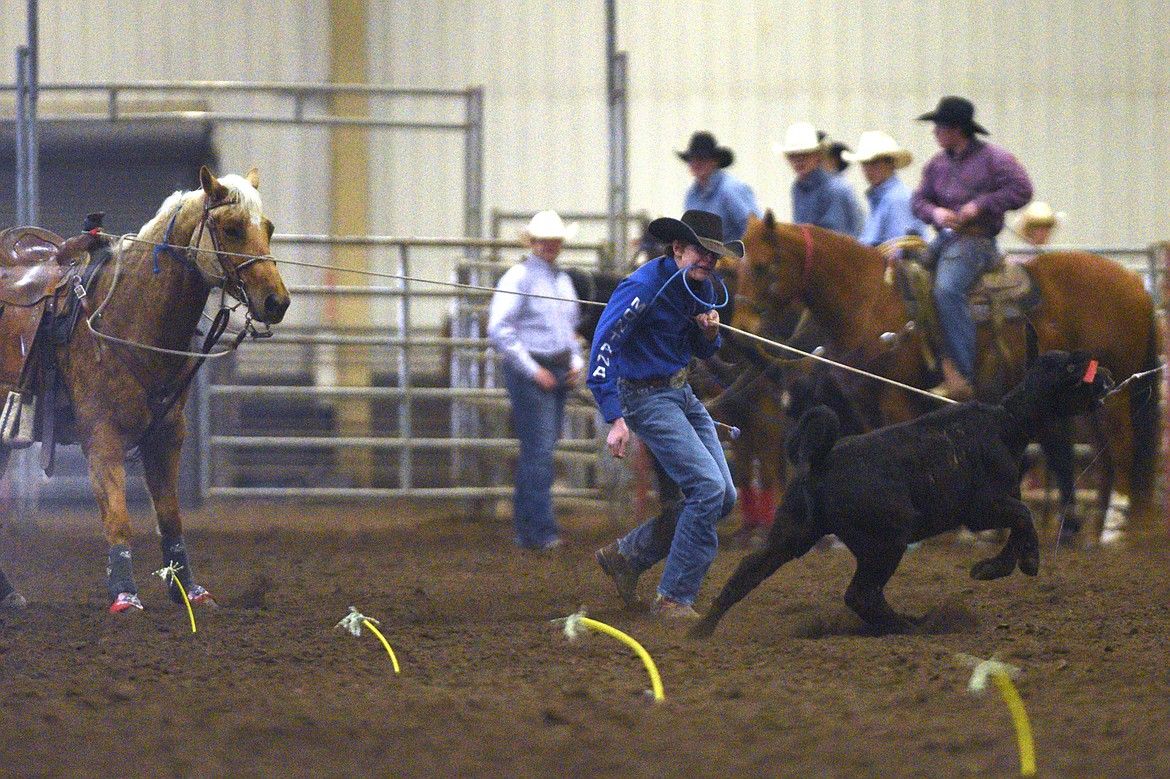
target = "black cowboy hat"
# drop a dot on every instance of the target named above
(703, 146)
(956, 112)
(698, 227)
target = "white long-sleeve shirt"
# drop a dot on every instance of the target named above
(520, 326)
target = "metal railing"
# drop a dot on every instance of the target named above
(427, 394)
(303, 104)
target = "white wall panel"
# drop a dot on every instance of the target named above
(1077, 89)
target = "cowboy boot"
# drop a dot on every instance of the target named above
(955, 385)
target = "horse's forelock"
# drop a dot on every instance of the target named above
(245, 194)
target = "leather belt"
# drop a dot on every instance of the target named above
(556, 360)
(674, 380)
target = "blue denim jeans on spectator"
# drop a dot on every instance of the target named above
(676, 428)
(961, 261)
(536, 420)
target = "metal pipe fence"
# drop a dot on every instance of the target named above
(269, 419)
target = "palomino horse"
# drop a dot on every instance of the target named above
(125, 367)
(1087, 303)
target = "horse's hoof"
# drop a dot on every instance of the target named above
(13, 601)
(124, 602)
(200, 596)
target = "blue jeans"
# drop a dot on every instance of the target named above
(676, 428)
(536, 419)
(961, 261)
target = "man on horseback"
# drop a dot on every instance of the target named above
(965, 190)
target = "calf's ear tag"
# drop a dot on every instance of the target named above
(1090, 372)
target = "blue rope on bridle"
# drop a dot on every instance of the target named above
(166, 244)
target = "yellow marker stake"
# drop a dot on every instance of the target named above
(575, 622)
(1002, 673)
(385, 643)
(168, 575)
(353, 623)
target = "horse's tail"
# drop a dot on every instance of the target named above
(1145, 419)
(808, 446)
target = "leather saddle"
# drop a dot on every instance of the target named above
(29, 266)
(41, 276)
(1003, 293)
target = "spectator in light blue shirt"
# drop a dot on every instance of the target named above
(531, 325)
(890, 214)
(714, 189)
(818, 196)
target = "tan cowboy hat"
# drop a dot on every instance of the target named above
(697, 227)
(546, 226)
(875, 144)
(798, 139)
(1037, 214)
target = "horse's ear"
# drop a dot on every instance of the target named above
(211, 186)
(253, 177)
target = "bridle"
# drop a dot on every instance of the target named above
(230, 282)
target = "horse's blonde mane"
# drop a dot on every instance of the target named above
(243, 193)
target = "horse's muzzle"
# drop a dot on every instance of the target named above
(274, 307)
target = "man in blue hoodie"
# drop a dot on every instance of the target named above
(656, 320)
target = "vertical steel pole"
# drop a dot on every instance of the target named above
(615, 71)
(406, 402)
(473, 164)
(33, 136)
(22, 173)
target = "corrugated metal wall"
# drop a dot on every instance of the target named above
(149, 40)
(1077, 89)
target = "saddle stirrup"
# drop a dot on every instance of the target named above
(16, 420)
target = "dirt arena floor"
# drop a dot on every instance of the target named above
(790, 685)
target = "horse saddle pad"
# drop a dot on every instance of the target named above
(29, 271)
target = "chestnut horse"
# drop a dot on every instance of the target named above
(126, 365)
(1087, 303)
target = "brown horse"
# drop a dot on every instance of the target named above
(126, 365)
(1087, 303)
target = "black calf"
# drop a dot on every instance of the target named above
(881, 491)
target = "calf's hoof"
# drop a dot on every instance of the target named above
(992, 568)
(13, 601)
(895, 623)
(702, 629)
(1030, 562)
(126, 601)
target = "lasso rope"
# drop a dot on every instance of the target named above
(481, 288)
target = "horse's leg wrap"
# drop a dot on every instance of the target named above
(120, 571)
(175, 555)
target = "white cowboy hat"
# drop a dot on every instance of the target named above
(547, 225)
(875, 144)
(799, 138)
